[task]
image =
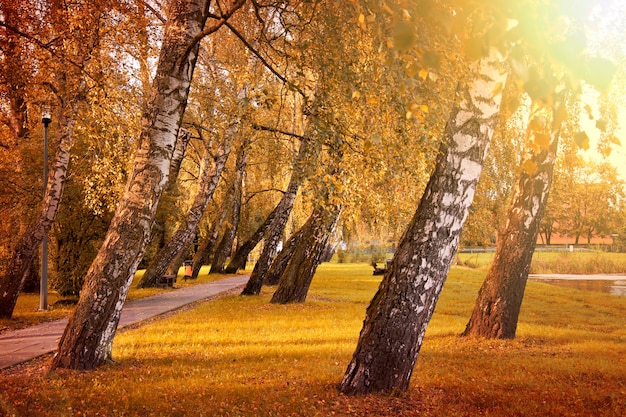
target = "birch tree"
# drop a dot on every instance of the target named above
(68, 84)
(87, 340)
(399, 313)
(210, 172)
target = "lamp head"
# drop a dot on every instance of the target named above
(46, 118)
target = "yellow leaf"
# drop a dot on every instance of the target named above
(542, 140)
(615, 140)
(589, 111)
(529, 167)
(582, 140)
(497, 89)
(408, 115)
(356, 95)
(423, 74)
(372, 100)
(424, 108)
(387, 8)
(601, 125)
(361, 21)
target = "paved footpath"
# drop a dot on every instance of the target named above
(25, 344)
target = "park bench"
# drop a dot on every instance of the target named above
(381, 271)
(166, 281)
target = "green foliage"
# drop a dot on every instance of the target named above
(77, 234)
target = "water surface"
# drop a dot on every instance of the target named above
(610, 284)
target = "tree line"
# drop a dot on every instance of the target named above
(199, 129)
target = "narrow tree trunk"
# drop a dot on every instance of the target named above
(225, 248)
(280, 215)
(211, 172)
(88, 337)
(280, 262)
(497, 308)
(399, 313)
(261, 270)
(27, 248)
(204, 251)
(159, 229)
(182, 140)
(296, 279)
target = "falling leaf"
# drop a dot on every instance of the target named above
(614, 139)
(423, 74)
(424, 108)
(601, 125)
(582, 140)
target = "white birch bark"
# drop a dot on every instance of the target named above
(399, 313)
(87, 340)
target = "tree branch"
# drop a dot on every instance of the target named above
(264, 61)
(221, 20)
(275, 130)
(47, 47)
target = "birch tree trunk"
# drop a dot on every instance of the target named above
(159, 229)
(276, 227)
(204, 251)
(276, 269)
(211, 172)
(295, 281)
(262, 267)
(27, 248)
(87, 340)
(497, 307)
(399, 313)
(225, 247)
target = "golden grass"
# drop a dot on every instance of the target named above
(27, 311)
(557, 262)
(241, 356)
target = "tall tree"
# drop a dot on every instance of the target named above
(500, 297)
(87, 340)
(399, 313)
(211, 170)
(225, 247)
(206, 247)
(280, 216)
(70, 85)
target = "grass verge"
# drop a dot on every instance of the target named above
(27, 311)
(241, 356)
(557, 262)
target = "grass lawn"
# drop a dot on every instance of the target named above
(241, 356)
(26, 309)
(557, 262)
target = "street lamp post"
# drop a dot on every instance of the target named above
(46, 119)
